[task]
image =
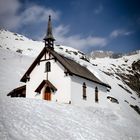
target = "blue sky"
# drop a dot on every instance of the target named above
(86, 25)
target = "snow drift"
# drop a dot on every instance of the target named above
(34, 119)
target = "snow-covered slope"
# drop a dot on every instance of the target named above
(19, 43)
(109, 118)
(12, 66)
(16, 42)
(122, 65)
(33, 119)
(125, 69)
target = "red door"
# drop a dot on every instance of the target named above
(47, 94)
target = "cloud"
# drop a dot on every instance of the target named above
(77, 41)
(8, 10)
(9, 6)
(12, 18)
(120, 32)
(98, 10)
(37, 14)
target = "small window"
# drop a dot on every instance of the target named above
(96, 94)
(84, 91)
(48, 67)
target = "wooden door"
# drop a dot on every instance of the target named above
(47, 94)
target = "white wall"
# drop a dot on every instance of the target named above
(56, 77)
(77, 92)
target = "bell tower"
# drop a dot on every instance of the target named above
(49, 39)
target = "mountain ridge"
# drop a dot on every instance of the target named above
(111, 54)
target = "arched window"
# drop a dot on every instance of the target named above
(84, 91)
(96, 94)
(48, 67)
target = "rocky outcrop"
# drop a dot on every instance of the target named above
(132, 79)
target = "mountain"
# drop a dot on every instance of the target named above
(125, 69)
(103, 54)
(100, 54)
(18, 43)
(117, 118)
(126, 66)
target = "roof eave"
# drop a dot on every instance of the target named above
(23, 79)
(101, 83)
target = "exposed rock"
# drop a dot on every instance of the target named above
(19, 51)
(136, 108)
(134, 80)
(136, 65)
(112, 99)
(126, 101)
(133, 97)
(84, 58)
(125, 89)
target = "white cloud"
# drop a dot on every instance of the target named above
(98, 9)
(61, 30)
(8, 10)
(77, 41)
(11, 18)
(9, 6)
(37, 14)
(120, 32)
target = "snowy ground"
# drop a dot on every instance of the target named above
(32, 119)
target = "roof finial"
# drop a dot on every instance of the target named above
(49, 39)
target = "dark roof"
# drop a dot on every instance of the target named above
(18, 90)
(71, 66)
(42, 84)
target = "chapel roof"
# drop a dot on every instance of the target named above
(71, 66)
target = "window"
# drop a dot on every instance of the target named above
(84, 91)
(48, 67)
(96, 94)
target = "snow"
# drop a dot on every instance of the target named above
(35, 119)
(12, 67)
(14, 41)
(111, 65)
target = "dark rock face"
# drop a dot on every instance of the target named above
(112, 99)
(136, 65)
(134, 80)
(128, 74)
(136, 108)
